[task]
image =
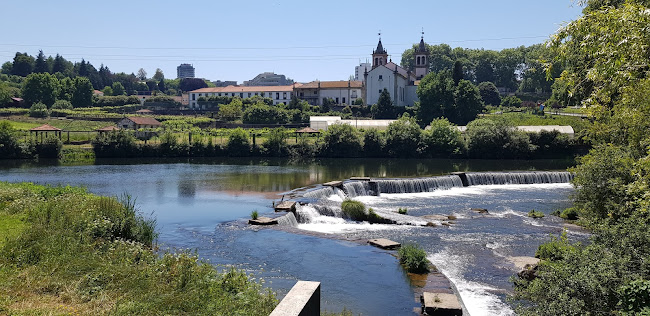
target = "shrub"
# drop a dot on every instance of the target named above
(62, 105)
(254, 214)
(341, 140)
(403, 137)
(354, 210)
(49, 148)
(414, 259)
(570, 214)
(38, 110)
(535, 214)
(9, 146)
(117, 144)
(276, 142)
(374, 142)
(442, 139)
(511, 101)
(403, 211)
(238, 144)
(265, 114)
(554, 250)
(496, 139)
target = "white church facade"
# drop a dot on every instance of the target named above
(400, 83)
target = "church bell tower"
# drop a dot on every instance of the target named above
(421, 59)
(379, 55)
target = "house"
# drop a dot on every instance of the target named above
(98, 93)
(400, 83)
(138, 122)
(342, 92)
(279, 94)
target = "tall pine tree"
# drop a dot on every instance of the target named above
(41, 65)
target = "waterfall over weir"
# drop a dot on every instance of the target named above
(419, 185)
(486, 178)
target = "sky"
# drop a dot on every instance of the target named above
(236, 40)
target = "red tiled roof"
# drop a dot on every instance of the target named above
(45, 128)
(236, 89)
(144, 120)
(144, 111)
(307, 130)
(108, 129)
(331, 84)
(17, 99)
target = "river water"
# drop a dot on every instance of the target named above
(204, 205)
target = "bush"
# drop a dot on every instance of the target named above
(354, 210)
(341, 140)
(535, 214)
(402, 211)
(442, 139)
(265, 114)
(414, 259)
(254, 214)
(62, 105)
(117, 144)
(238, 144)
(38, 110)
(374, 142)
(276, 142)
(554, 250)
(496, 139)
(403, 137)
(9, 146)
(49, 148)
(511, 101)
(570, 214)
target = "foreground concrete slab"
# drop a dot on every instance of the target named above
(286, 206)
(384, 243)
(302, 300)
(263, 221)
(441, 304)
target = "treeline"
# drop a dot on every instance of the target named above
(610, 274)
(485, 139)
(14, 73)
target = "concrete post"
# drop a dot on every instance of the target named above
(302, 300)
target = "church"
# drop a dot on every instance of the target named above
(400, 83)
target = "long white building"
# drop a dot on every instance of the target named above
(279, 94)
(342, 92)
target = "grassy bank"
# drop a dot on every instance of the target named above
(65, 251)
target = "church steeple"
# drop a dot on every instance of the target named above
(421, 59)
(379, 55)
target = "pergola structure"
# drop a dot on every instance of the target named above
(45, 129)
(307, 131)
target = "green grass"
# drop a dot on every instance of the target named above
(92, 255)
(414, 259)
(535, 214)
(25, 123)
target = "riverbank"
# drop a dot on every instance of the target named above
(65, 251)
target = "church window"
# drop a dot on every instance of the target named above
(241, 95)
(249, 94)
(381, 77)
(418, 61)
(343, 100)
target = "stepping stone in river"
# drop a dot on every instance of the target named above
(384, 243)
(263, 221)
(441, 304)
(287, 206)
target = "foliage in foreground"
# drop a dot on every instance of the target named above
(83, 254)
(414, 259)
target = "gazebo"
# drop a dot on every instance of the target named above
(107, 129)
(306, 130)
(45, 129)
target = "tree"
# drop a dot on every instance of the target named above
(158, 75)
(6, 68)
(82, 96)
(142, 74)
(485, 60)
(40, 65)
(5, 94)
(66, 89)
(238, 144)
(467, 103)
(82, 68)
(108, 91)
(458, 72)
(40, 87)
(384, 108)
(118, 88)
(403, 137)
(341, 140)
(442, 139)
(489, 93)
(511, 101)
(498, 139)
(161, 85)
(9, 146)
(38, 109)
(231, 111)
(23, 65)
(436, 93)
(189, 84)
(60, 64)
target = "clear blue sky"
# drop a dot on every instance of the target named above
(236, 40)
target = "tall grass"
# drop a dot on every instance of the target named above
(77, 253)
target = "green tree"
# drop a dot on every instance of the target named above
(38, 110)
(487, 138)
(41, 87)
(40, 66)
(158, 76)
(108, 91)
(66, 89)
(374, 142)
(341, 140)
(9, 146)
(238, 144)
(467, 103)
(142, 74)
(82, 96)
(276, 142)
(458, 72)
(403, 137)
(511, 101)
(6, 68)
(436, 93)
(231, 111)
(118, 88)
(384, 108)
(22, 65)
(5, 94)
(489, 93)
(442, 139)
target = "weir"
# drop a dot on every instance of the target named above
(487, 178)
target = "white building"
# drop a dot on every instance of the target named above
(279, 94)
(400, 83)
(360, 70)
(321, 123)
(342, 92)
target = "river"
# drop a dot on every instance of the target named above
(203, 204)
